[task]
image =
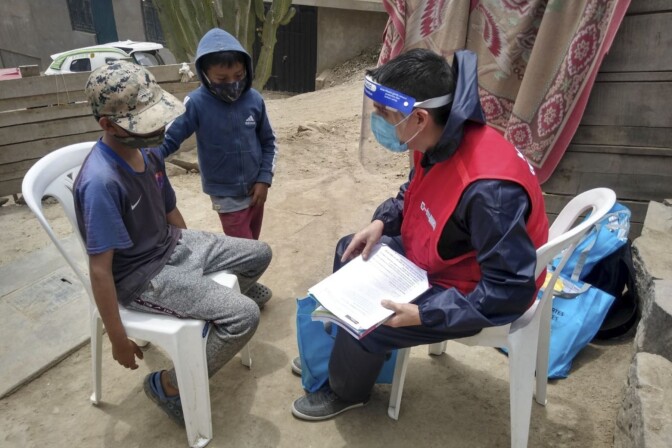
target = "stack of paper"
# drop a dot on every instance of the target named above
(351, 296)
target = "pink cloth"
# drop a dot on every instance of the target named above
(537, 60)
(244, 223)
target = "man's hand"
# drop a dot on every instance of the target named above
(125, 351)
(405, 314)
(363, 241)
(258, 192)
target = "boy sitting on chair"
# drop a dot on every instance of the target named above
(141, 255)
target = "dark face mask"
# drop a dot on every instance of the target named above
(136, 141)
(228, 91)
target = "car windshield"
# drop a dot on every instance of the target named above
(146, 59)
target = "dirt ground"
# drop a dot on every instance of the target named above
(320, 193)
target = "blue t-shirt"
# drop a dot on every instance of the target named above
(125, 211)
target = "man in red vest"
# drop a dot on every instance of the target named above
(472, 215)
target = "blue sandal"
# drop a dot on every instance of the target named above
(170, 405)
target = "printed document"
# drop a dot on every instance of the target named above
(354, 292)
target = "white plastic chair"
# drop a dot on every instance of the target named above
(527, 338)
(182, 339)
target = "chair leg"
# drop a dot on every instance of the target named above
(96, 356)
(398, 383)
(192, 379)
(542, 352)
(521, 376)
(246, 356)
(437, 349)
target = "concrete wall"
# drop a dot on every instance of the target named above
(355, 5)
(128, 15)
(32, 30)
(343, 34)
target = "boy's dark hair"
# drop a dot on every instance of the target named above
(421, 74)
(225, 58)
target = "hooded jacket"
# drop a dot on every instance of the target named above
(236, 144)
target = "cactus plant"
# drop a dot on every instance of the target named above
(280, 13)
(186, 21)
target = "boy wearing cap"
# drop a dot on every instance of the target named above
(141, 255)
(472, 215)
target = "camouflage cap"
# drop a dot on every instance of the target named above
(129, 95)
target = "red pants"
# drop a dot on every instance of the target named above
(244, 223)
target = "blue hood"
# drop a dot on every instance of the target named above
(466, 107)
(217, 40)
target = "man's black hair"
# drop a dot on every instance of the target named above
(225, 58)
(421, 74)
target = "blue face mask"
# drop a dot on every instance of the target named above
(386, 134)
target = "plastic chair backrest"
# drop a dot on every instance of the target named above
(563, 238)
(561, 234)
(54, 175)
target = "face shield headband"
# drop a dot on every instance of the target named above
(405, 104)
(378, 131)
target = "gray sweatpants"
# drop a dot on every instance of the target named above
(181, 290)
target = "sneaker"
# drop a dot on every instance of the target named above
(321, 405)
(296, 365)
(259, 293)
(170, 405)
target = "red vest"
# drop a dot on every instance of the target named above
(432, 197)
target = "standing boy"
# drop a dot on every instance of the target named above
(141, 255)
(236, 145)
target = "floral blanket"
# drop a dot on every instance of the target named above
(537, 59)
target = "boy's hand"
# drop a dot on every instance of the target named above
(258, 192)
(125, 351)
(405, 314)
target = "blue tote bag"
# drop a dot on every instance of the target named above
(579, 308)
(578, 312)
(316, 341)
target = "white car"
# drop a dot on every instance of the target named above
(90, 58)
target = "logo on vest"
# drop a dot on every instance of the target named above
(428, 214)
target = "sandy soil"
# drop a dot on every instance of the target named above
(320, 193)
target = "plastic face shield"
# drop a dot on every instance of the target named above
(394, 107)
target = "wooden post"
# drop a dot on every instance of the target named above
(28, 71)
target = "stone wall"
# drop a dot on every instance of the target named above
(645, 418)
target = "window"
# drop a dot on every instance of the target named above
(81, 16)
(146, 59)
(150, 16)
(81, 65)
